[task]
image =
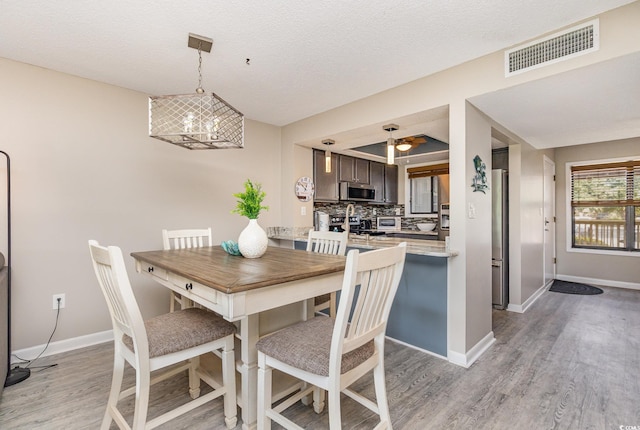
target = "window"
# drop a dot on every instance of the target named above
(424, 195)
(423, 188)
(605, 206)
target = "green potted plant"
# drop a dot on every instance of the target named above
(249, 203)
(253, 240)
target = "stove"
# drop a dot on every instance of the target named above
(336, 223)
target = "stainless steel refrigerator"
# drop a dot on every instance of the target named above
(500, 238)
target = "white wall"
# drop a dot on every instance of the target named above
(469, 307)
(83, 167)
(617, 270)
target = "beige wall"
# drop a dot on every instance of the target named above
(622, 270)
(84, 168)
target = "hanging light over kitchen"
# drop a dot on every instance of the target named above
(196, 121)
(327, 155)
(391, 142)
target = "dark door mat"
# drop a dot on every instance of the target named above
(574, 288)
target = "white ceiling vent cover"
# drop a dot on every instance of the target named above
(561, 46)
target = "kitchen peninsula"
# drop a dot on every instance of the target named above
(419, 314)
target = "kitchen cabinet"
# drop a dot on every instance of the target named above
(376, 179)
(390, 183)
(384, 179)
(353, 169)
(326, 184)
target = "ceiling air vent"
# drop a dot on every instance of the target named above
(561, 46)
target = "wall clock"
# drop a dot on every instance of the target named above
(304, 189)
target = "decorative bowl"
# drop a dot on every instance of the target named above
(230, 247)
(426, 226)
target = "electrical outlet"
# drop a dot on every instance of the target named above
(55, 301)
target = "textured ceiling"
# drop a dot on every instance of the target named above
(306, 56)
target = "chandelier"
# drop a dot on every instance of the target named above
(196, 121)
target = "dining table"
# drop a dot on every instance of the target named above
(261, 295)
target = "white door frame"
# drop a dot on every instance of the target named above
(549, 220)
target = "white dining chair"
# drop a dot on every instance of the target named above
(181, 239)
(173, 342)
(327, 242)
(332, 354)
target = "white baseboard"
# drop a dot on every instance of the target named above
(527, 303)
(466, 360)
(64, 345)
(415, 347)
(601, 282)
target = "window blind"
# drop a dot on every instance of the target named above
(424, 171)
(613, 184)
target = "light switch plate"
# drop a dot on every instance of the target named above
(472, 211)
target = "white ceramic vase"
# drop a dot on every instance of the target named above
(253, 240)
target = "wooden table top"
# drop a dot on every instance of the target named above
(213, 267)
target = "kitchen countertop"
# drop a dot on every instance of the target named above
(415, 232)
(432, 248)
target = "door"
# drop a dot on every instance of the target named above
(549, 192)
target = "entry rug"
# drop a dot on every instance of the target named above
(574, 288)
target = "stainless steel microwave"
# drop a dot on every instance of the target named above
(353, 191)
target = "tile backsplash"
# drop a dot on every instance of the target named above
(366, 211)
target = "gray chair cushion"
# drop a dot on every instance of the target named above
(180, 330)
(306, 346)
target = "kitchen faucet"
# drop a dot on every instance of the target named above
(351, 210)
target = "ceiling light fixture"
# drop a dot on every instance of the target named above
(196, 121)
(391, 142)
(327, 155)
(403, 146)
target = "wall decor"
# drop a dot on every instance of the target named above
(304, 189)
(480, 179)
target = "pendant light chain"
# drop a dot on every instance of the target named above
(199, 90)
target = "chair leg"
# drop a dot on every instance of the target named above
(229, 382)
(172, 301)
(143, 383)
(381, 395)
(333, 305)
(114, 393)
(265, 375)
(335, 421)
(318, 399)
(194, 379)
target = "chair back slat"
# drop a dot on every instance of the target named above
(327, 242)
(186, 238)
(369, 287)
(110, 271)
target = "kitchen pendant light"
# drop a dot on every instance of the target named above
(327, 155)
(391, 142)
(196, 121)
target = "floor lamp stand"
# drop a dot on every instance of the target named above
(17, 374)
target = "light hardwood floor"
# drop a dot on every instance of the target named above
(570, 362)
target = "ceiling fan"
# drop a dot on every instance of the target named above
(406, 143)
